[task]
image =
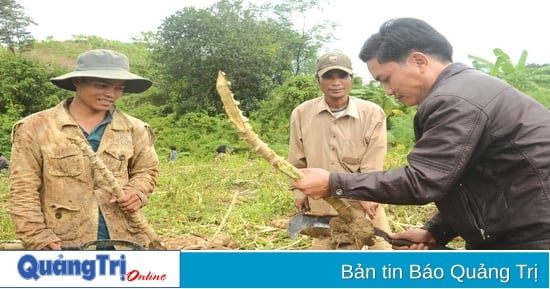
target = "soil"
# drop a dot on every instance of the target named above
(197, 242)
(351, 233)
(344, 234)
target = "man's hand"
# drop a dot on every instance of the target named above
(129, 203)
(53, 246)
(422, 239)
(314, 183)
(302, 205)
(369, 208)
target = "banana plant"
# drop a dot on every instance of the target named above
(529, 78)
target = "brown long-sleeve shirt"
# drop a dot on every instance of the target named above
(55, 195)
(354, 142)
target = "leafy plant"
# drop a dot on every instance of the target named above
(532, 79)
(13, 27)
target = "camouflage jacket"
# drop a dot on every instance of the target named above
(55, 193)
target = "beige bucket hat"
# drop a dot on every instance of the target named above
(106, 64)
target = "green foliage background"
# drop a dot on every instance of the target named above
(271, 70)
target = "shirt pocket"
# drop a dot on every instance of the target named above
(117, 161)
(352, 155)
(63, 161)
(64, 220)
(136, 232)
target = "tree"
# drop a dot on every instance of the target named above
(272, 117)
(531, 79)
(25, 85)
(13, 27)
(197, 43)
(25, 89)
(310, 37)
(255, 50)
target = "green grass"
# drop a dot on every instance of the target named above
(193, 197)
(237, 196)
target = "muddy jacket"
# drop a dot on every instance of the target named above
(482, 155)
(54, 192)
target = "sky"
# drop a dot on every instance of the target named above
(474, 27)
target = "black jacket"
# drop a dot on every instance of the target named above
(482, 154)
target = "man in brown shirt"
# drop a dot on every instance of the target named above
(339, 133)
(57, 196)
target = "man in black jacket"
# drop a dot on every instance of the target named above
(481, 153)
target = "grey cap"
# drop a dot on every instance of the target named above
(105, 64)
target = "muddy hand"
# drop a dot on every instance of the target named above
(130, 202)
(302, 205)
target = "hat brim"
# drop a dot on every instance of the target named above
(134, 83)
(325, 70)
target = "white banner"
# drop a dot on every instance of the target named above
(84, 269)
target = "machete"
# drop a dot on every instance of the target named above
(316, 226)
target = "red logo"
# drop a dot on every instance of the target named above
(135, 275)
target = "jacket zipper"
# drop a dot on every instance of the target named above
(469, 206)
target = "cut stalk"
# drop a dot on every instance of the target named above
(241, 124)
(136, 216)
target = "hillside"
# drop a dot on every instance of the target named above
(64, 53)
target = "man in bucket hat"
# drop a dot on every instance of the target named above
(340, 133)
(56, 195)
